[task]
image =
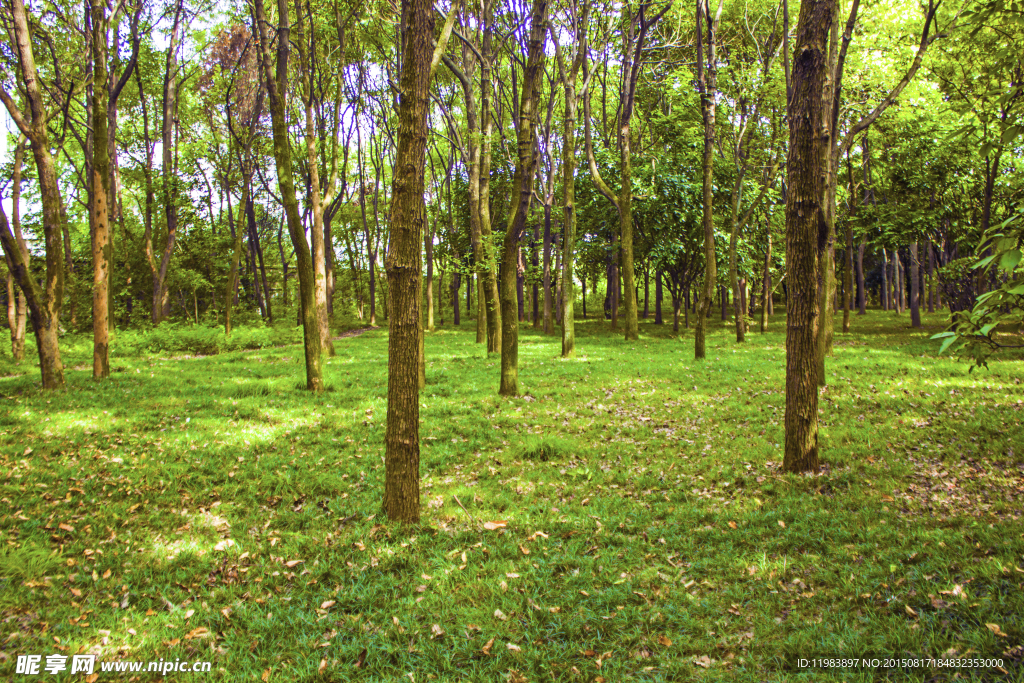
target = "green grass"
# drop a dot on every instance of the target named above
(204, 508)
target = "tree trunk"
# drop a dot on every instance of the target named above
(885, 298)
(277, 89)
(403, 266)
(806, 229)
(549, 326)
(17, 307)
(915, 287)
(490, 301)
(306, 67)
(658, 297)
(455, 297)
(44, 304)
(169, 182)
(100, 197)
(522, 189)
(707, 87)
(862, 297)
(766, 292)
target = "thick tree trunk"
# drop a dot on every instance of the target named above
(403, 266)
(806, 229)
(569, 200)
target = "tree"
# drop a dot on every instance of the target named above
(276, 81)
(707, 86)
(522, 193)
(806, 228)
(578, 24)
(44, 302)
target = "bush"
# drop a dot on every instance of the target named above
(200, 340)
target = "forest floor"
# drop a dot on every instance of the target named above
(625, 519)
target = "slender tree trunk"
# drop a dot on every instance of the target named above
(885, 297)
(862, 298)
(522, 188)
(549, 325)
(659, 296)
(766, 281)
(169, 181)
(277, 89)
(707, 86)
(100, 197)
(306, 66)
(490, 301)
(16, 305)
(809, 147)
(915, 287)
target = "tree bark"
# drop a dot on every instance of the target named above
(403, 265)
(806, 229)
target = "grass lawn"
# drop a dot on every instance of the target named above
(204, 508)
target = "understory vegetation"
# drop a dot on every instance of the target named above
(625, 518)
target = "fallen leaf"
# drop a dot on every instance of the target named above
(189, 613)
(662, 640)
(266, 676)
(524, 549)
(361, 659)
(323, 665)
(437, 631)
(910, 610)
(589, 653)
(499, 615)
(996, 630)
(783, 525)
(514, 648)
(704, 660)
(66, 527)
(106, 574)
(732, 525)
(224, 545)
(491, 526)
(77, 593)
(201, 632)
(292, 563)
(327, 604)
(486, 649)
(92, 678)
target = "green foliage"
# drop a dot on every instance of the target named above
(1001, 309)
(201, 340)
